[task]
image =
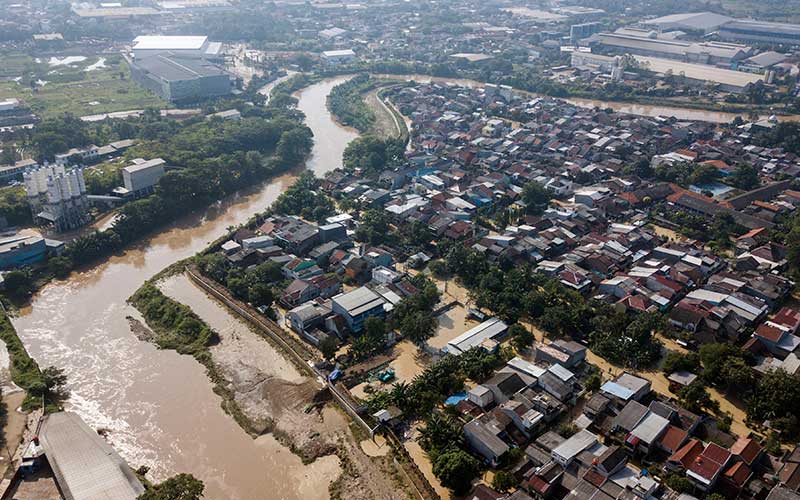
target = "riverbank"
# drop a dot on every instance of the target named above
(276, 397)
(157, 406)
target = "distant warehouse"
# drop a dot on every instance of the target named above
(178, 78)
(181, 46)
(761, 32)
(728, 80)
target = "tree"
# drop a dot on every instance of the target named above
(503, 481)
(745, 176)
(373, 227)
(694, 397)
(440, 433)
(418, 326)
(18, 283)
(679, 483)
(50, 387)
(372, 338)
(521, 338)
(294, 145)
(628, 343)
(328, 347)
(776, 398)
(567, 429)
(536, 197)
(456, 469)
(260, 294)
(677, 361)
(179, 487)
(594, 381)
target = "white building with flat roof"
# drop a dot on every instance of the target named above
(142, 176)
(186, 46)
(334, 57)
(484, 334)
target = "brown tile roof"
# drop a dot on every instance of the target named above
(673, 438)
(688, 453)
(746, 448)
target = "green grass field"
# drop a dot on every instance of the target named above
(73, 89)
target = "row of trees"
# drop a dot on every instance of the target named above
(347, 103)
(176, 326)
(303, 198)
(217, 158)
(254, 284)
(46, 385)
(773, 396)
(514, 292)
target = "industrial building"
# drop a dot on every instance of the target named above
(584, 30)
(14, 172)
(597, 62)
(84, 465)
(9, 104)
(180, 46)
(694, 52)
(335, 57)
(21, 250)
(761, 32)
(728, 80)
(177, 78)
(57, 196)
(484, 336)
(690, 21)
(141, 177)
(356, 306)
(113, 12)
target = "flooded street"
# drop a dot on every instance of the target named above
(159, 406)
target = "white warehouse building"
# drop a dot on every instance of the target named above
(183, 46)
(141, 177)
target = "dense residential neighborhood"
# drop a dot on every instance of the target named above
(378, 250)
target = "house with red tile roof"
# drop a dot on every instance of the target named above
(682, 459)
(747, 449)
(707, 467)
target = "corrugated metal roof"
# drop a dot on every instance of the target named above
(85, 466)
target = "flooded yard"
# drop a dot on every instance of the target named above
(408, 362)
(451, 324)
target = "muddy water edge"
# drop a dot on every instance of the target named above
(157, 405)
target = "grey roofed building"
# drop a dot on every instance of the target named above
(761, 31)
(693, 21)
(781, 492)
(766, 59)
(549, 441)
(483, 434)
(569, 449)
(356, 306)
(630, 416)
(178, 78)
(85, 466)
(490, 329)
(650, 428)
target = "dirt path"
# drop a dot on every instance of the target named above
(384, 125)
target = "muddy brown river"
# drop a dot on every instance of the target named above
(158, 405)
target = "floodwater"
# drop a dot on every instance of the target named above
(621, 107)
(158, 406)
(328, 148)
